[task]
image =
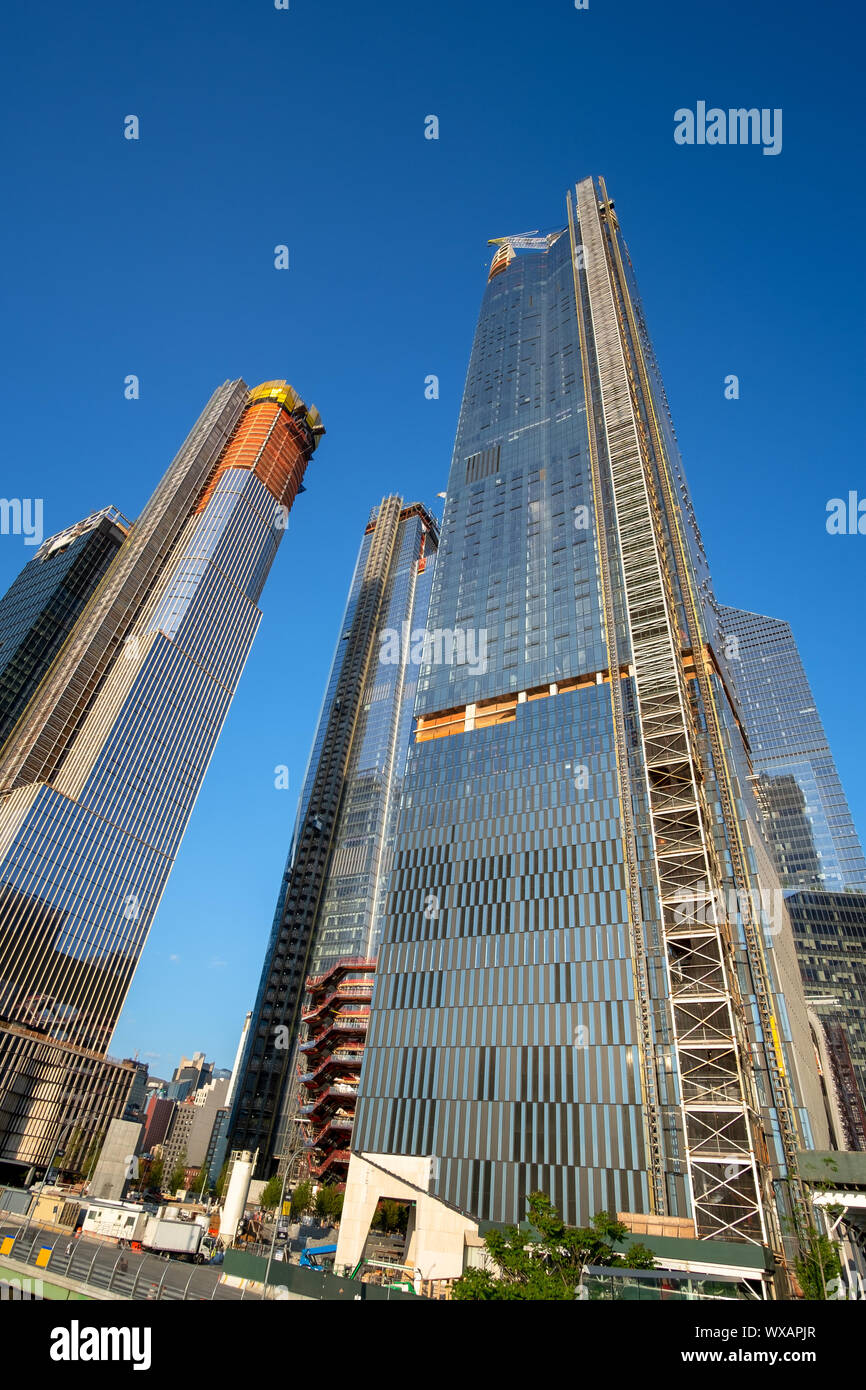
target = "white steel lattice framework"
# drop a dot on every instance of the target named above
(726, 1152)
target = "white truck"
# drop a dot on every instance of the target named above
(188, 1239)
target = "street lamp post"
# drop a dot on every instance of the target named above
(289, 1165)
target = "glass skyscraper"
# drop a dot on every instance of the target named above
(579, 989)
(830, 934)
(806, 811)
(40, 608)
(846, 1110)
(100, 774)
(329, 911)
(807, 819)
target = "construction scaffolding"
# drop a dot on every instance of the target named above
(726, 1152)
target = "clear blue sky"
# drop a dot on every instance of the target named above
(305, 127)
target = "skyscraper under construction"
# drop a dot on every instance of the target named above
(579, 990)
(99, 775)
(328, 920)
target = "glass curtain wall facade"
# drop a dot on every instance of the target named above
(808, 822)
(830, 933)
(40, 608)
(343, 840)
(806, 812)
(86, 848)
(350, 914)
(556, 1006)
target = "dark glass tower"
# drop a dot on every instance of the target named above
(830, 934)
(100, 774)
(39, 609)
(329, 913)
(847, 1113)
(558, 1004)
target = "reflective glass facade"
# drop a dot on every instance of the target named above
(38, 611)
(356, 824)
(515, 562)
(85, 855)
(805, 814)
(503, 1014)
(554, 1006)
(806, 811)
(830, 932)
(350, 914)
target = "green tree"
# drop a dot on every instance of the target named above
(154, 1175)
(816, 1265)
(199, 1182)
(819, 1261)
(220, 1184)
(178, 1174)
(78, 1155)
(302, 1198)
(390, 1216)
(544, 1261)
(329, 1203)
(271, 1192)
(71, 1158)
(91, 1156)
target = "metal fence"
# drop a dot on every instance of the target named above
(106, 1269)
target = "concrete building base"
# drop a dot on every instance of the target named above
(118, 1161)
(438, 1234)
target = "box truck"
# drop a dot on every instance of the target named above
(187, 1239)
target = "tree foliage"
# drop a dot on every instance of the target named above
(220, 1184)
(302, 1198)
(79, 1155)
(329, 1203)
(152, 1175)
(178, 1174)
(543, 1262)
(390, 1216)
(271, 1192)
(817, 1264)
(73, 1158)
(199, 1182)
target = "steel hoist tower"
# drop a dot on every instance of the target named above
(726, 1155)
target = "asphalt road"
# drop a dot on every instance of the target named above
(95, 1263)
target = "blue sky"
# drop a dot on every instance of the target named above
(306, 127)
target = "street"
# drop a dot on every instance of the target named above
(96, 1263)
